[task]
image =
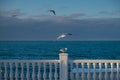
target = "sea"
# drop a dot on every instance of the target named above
(40, 50)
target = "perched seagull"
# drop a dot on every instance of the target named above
(63, 50)
(63, 35)
(52, 12)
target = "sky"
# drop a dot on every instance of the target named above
(31, 20)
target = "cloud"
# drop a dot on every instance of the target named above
(76, 15)
(82, 29)
(13, 13)
(71, 16)
(39, 15)
(65, 18)
(109, 13)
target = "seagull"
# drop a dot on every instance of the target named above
(63, 50)
(53, 11)
(63, 35)
(14, 15)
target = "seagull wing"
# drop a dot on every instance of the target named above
(69, 33)
(61, 36)
(58, 37)
(53, 12)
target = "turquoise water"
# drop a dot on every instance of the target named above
(50, 49)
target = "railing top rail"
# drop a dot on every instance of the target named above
(71, 61)
(24, 61)
(94, 61)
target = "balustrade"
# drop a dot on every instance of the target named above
(26, 69)
(60, 69)
(100, 70)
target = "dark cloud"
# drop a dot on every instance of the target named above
(39, 16)
(75, 15)
(12, 13)
(109, 13)
(58, 18)
(82, 29)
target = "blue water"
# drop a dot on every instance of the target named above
(50, 49)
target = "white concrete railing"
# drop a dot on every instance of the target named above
(94, 69)
(62, 69)
(29, 69)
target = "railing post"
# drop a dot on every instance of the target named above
(63, 66)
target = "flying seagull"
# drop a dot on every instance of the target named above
(63, 35)
(53, 11)
(63, 50)
(14, 15)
